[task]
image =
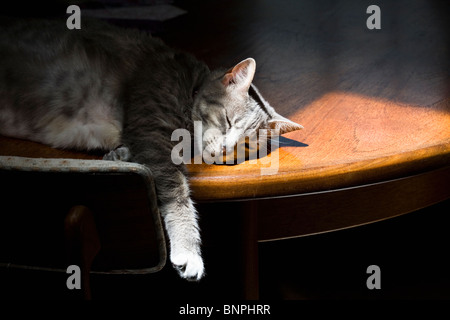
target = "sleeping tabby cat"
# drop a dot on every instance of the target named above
(122, 91)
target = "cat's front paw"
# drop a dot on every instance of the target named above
(120, 153)
(189, 265)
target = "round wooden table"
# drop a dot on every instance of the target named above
(375, 106)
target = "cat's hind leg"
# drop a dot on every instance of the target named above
(121, 153)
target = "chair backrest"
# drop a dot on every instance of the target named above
(36, 195)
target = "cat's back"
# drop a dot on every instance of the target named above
(70, 88)
(42, 41)
(61, 86)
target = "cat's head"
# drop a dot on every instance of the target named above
(231, 108)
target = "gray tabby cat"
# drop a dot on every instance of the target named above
(124, 92)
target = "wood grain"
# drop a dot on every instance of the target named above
(375, 104)
(333, 210)
(350, 140)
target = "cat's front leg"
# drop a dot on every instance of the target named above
(175, 205)
(178, 213)
(180, 219)
(121, 153)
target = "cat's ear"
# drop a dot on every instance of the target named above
(282, 124)
(241, 75)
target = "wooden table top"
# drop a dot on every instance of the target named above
(348, 140)
(375, 104)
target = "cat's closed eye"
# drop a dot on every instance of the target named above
(228, 120)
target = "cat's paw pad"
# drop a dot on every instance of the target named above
(120, 153)
(188, 265)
